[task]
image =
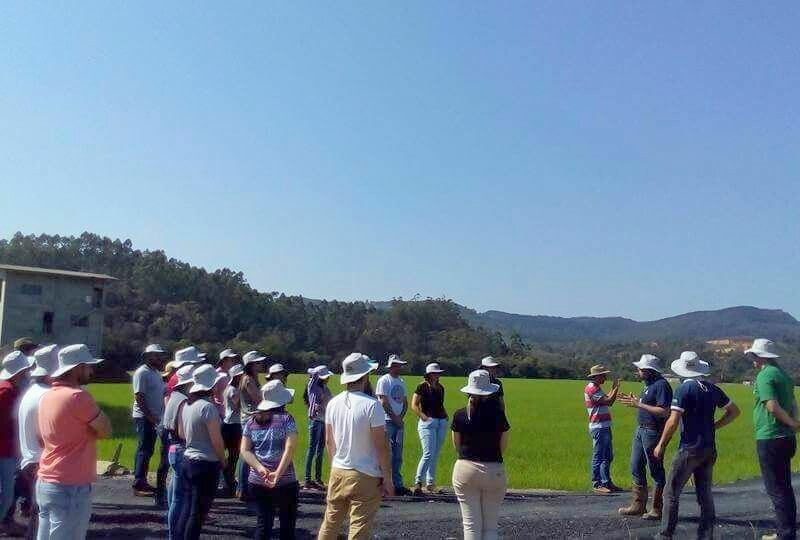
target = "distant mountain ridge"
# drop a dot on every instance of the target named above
(729, 322)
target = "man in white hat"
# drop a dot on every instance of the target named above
(45, 363)
(492, 366)
(775, 420)
(148, 407)
(70, 422)
(356, 441)
(598, 405)
(12, 380)
(693, 409)
(653, 409)
(391, 391)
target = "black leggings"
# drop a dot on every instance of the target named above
(284, 498)
(232, 437)
(200, 479)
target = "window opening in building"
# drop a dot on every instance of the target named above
(98, 297)
(47, 323)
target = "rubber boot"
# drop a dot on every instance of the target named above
(658, 505)
(638, 504)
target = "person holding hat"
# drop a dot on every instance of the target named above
(597, 405)
(70, 422)
(492, 366)
(269, 440)
(148, 407)
(316, 396)
(232, 425)
(204, 451)
(13, 377)
(249, 398)
(45, 362)
(391, 392)
(480, 435)
(428, 404)
(693, 409)
(177, 488)
(355, 434)
(775, 422)
(653, 409)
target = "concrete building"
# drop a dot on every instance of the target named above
(51, 306)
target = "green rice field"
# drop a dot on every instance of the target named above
(549, 443)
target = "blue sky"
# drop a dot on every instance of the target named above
(548, 158)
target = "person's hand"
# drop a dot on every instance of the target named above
(658, 452)
(629, 400)
(424, 418)
(398, 421)
(617, 382)
(262, 471)
(272, 479)
(387, 489)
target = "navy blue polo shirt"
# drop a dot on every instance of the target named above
(698, 400)
(657, 393)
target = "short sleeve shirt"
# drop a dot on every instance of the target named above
(352, 415)
(772, 383)
(195, 418)
(698, 401)
(69, 445)
(174, 403)
(149, 383)
(9, 442)
(657, 393)
(431, 400)
(269, 442)
(480, 434)
(394, 388)
(29, 439)
(230, 398)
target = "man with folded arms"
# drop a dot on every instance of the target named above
(70, 422)
(775, 421)
(693, 408)
(12, 379)
(356, 440)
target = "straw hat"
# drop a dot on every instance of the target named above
(479, 384)
(275, 395)
(355, 366)
(599, 369)
(73, 356)
(46, 360)
(763, 348)
(689, 366)
(649, 361)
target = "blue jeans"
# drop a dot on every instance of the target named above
(644, 441)
(316, 447)
(602, 456)
(175, 494)
(64, 511)
(8, 471)
(432, 435)
(146, 432)
(395, 436)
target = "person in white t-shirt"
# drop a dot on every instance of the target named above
(391, 391)
(147, 410)
(356, 442)
(46, 362)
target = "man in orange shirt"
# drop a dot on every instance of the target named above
(70, 422)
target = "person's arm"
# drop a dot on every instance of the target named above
(252, 391)
(416, 406)
(781, 415)
(504, 441)
(611, 397)
(457, 441)
(405, 407)
(330, 443)
(670, 428)
(629, 400)
(215, 434)
(387, 407)
(731, 412)
(246, 452)
(382, 446)
(140, 402)
(286, 460)
(101, 425)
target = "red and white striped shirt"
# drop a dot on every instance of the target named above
(599, 415)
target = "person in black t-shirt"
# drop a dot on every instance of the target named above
(480, 435)
(492, 366)
(428, 404)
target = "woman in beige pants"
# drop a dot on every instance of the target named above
(480, 435)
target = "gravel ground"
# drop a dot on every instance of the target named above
(743, 511)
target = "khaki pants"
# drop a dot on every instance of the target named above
(480, 488)
(353, 492)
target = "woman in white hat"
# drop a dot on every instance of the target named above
(249, 398)
(316, 396)
(428, 404)
(204, 453)
(480, 435)
(177, 492)
(232, 425)
(269, 440)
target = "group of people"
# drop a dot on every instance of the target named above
(209, 419)
(691, 408)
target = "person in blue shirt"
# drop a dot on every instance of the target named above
(653, 406)
(693, 408)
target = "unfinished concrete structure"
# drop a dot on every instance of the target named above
(51, 306)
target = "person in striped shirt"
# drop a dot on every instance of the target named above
(598, 405)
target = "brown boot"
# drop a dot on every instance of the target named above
(658, 505)
(638, 504)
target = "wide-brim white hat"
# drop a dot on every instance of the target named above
(73, 356)
(251, 357)
(763, 348)
(275, 395)
(689, 366)
(187, 355)
(14, 363)
(153, 348)
(322, 372)
(433, 368)
(275, 369)
(235, 371)
(649, 361)
(395, 360)
(46, 360)
(355, 366)
(479, 384)
(185, 375)
(227, 353)
(204, 378)
(489, 361)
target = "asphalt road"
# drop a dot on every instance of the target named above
(743, 511)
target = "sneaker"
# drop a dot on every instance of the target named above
(417, 490)
(320, 485)
(402, 492)
(143, 490)
(615, 488)
(602, 490)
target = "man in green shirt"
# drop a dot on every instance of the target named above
(775, 421)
